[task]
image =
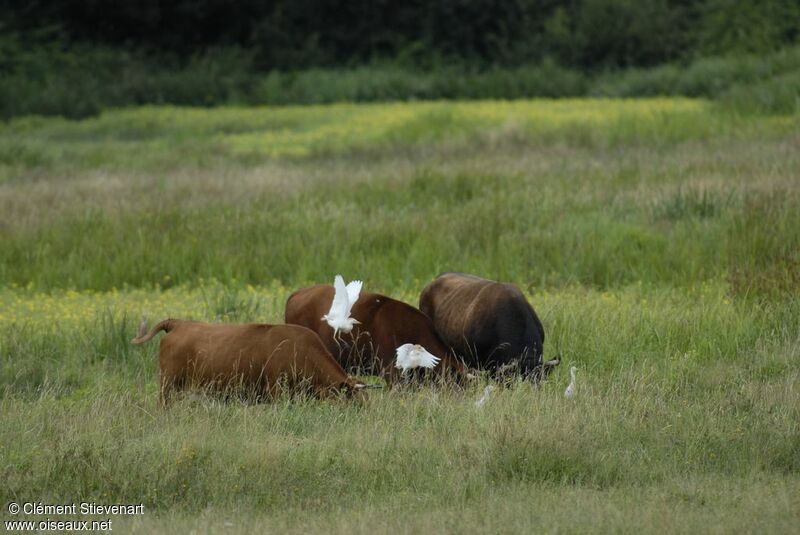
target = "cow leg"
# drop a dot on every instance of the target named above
(391, 375)
(260, 391)
(165, 392)
(169, 383)
(274, 390)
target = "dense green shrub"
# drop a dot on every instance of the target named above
(780, 94)
(299, 34)
(55, 78)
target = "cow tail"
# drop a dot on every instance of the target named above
(143, 336)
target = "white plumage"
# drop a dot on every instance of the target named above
(410, 356)
(338, 317)
(570, 391)
(485, 397)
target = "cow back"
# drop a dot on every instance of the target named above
(487, 323)
(253, 354)
(306, 306)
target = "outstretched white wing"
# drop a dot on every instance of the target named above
(353, 290)
(425, 359)
(339, 308)
(411, 356)
(403, 356)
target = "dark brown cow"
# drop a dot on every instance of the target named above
(490, 324)
(257, 356)
(386, 324)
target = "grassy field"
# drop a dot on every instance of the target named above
(659, 241)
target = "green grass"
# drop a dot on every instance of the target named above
(658, 240)
(663, 190)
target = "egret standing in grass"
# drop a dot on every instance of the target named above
(410, 356)
(485, 397)
(338, 317)
(570, 391)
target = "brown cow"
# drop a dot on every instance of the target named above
(256, 356)
(386, 324)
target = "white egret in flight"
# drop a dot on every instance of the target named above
(338, 317)
(410, 356)
(570, 391)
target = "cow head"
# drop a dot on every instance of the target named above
(543, 369)
(357, 390)
(528, 368)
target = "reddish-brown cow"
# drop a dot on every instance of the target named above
(255, 356)
(386, 324)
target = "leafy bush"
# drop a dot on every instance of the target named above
(75, 81)
(779, 95)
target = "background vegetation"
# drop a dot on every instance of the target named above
(76, 57)
(288, 34)
(658, 240)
